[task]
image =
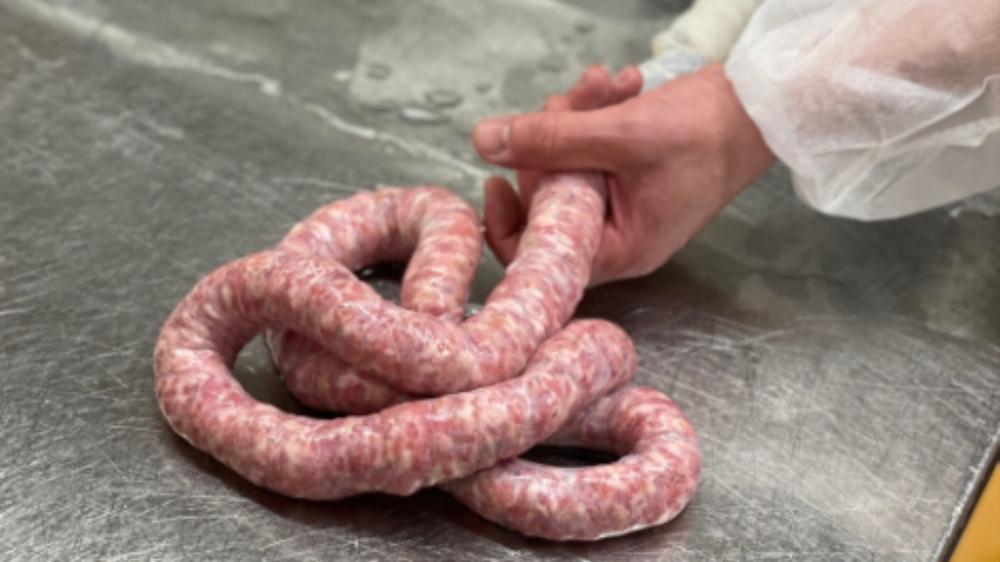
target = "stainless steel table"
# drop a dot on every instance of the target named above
(844, 377)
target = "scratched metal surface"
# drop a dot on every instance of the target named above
(844, 377)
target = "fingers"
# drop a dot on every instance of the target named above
(527, 184)
(535, 142)
(606, 262)
(591, 91)
(556, 140)
(504, 218)
(527, 180)
(596, 88)
(623, 255)
(626, 84)
(612, 253)
(628, 247)
(587, 133)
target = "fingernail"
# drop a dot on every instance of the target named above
(493, 135)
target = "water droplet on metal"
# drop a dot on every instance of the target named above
(270, 87)
(422, 116)
(443, 98)
(378, 71)
(343, 75)
(553, 63)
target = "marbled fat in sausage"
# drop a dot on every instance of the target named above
(537, 295)
(447, 401)
(650, 484)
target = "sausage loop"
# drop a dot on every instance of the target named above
(434, 399)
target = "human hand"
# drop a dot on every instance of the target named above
(672, 157)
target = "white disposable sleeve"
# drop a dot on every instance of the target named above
(881, 108)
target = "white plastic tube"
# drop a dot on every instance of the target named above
(701, 35)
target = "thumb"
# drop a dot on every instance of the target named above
(554, 140)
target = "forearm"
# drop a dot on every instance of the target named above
(872, 103)
(939, 43)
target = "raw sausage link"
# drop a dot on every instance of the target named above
(537, 295)
(651, 483)
(340, 346)
(438, 228)
(398, 450)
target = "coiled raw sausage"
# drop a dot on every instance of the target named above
(447, 401)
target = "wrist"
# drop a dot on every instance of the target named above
(745, 153)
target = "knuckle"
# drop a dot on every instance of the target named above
(534, 138)
(547, 135)
(632, 126)
(638, 134)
